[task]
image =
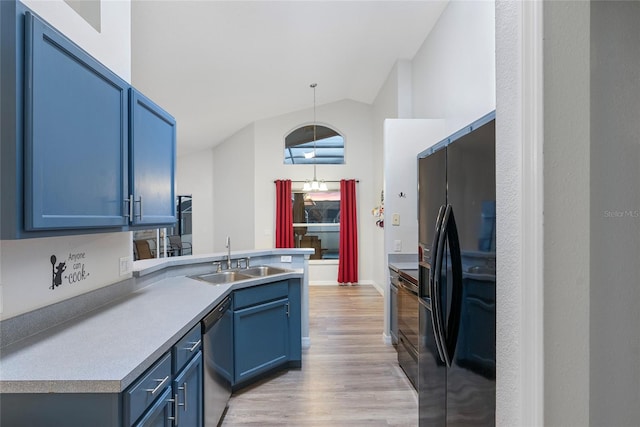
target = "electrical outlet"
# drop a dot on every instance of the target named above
(395, 219)
(285, 258)
(397, 245)
(125, 265)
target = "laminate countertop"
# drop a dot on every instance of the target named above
(105, 350)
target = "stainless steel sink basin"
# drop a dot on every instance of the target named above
(262, 270)
(223, 277)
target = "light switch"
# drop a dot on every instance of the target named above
(125, 265)
(397, 245)
(395, 219)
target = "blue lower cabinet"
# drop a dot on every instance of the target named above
(261, 338)
(187, 392)
(145, 391)
(159, 415)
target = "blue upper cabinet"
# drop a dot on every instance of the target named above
(76, 139)
(152, 155)
(81, 152)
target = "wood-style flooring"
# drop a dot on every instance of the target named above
(349, 377)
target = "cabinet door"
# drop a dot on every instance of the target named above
(261, 338)
(76, 138)
(187, 389)
(158, 415)
(152, 160)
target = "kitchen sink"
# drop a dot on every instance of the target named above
(263, 270)
(229, 276)
(223, 277)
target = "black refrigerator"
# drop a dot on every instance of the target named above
(457, 278)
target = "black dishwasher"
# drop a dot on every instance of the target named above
(217, 335)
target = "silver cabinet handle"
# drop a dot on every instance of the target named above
(195, 345)
(129, 210)
(159, 386)
(287, 309)
(175, 409)
(140, 201)
(184, 389)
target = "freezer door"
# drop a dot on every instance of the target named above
(471, 193)
(432, 196)
(432, 185)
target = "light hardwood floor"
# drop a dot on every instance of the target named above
(349, 377)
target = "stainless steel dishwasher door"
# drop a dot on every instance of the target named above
(217, 332)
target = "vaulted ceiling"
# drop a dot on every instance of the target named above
(218, 66)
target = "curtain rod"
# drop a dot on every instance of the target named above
(357, 180)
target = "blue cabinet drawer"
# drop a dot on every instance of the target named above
(260, 294)
(186, 348)
(140, 395)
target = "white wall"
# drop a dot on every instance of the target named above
(404, 139)
(590, 371)
(235, 196)
(392, 101)
(91, 262)
(615, 215)
(195, 177)
(567, 213)
(454, 69)
(353, 121)
(247, 164)
(25, 265)
(511, 335)
(111, 46)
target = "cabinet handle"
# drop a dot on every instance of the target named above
(287, 309)
(129, 209)
(175, 409)
(195, 345)
(159, 386)
(140, 201)
(184, 389)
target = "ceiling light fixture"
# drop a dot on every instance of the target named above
(314, 185)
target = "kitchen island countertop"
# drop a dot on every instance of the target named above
(105, 350)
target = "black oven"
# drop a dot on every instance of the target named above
(408, 325)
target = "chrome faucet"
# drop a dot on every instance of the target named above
(228, 246)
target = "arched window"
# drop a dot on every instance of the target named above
(301, 148)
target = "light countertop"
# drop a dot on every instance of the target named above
(105, 350)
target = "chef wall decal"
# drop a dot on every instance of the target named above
(76, 274)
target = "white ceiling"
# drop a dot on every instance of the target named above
(218, 66)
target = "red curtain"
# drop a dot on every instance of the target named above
(348, 255)
(284, 214)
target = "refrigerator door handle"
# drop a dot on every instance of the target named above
(453, 325)
(449, 337)
(434, 286)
